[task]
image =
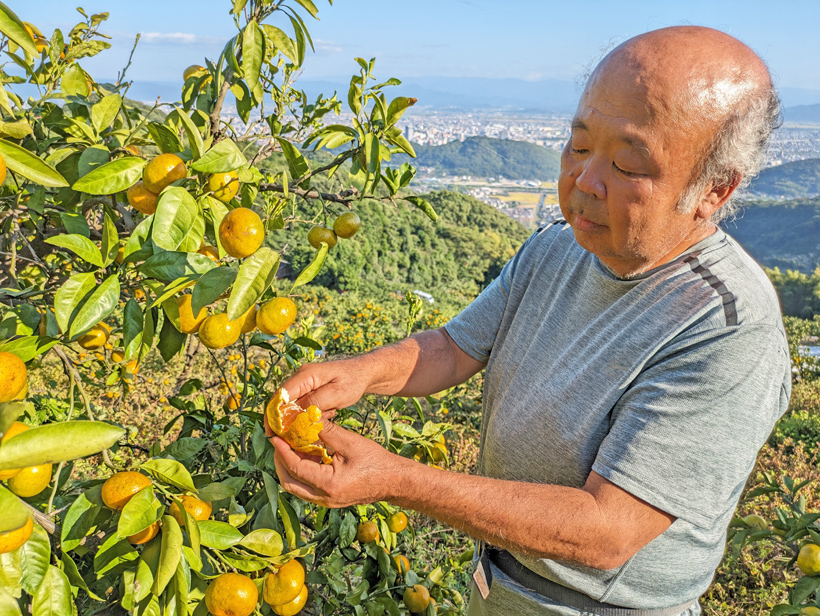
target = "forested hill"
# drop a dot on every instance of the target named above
(487, 157)
(790, 180)
(398, 249)
(784, 234)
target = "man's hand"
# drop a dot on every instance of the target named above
(330, 385)
(362, 471)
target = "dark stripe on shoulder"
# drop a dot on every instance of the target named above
(729, 307)
(560, 221)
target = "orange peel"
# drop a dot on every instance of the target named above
(299, 427)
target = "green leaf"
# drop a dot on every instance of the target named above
(80, 519)
(169, 265)
(142, 510)
(424, 206)
(170, 553)
(28, 347)
(169, 472)
(110, 241)
(79, 244)
(218, 535)
(263, 541)
(256, 275)
(69, 296)
(171, 340)
(804, 588)
(105, 111)
(15, 514)
(74, 82)
(74, 577)
(194, 136)
(290, 522)
(75, 223)
(253, 52)
(12, 27)
(176, 214)
(54, 597)
(92, 158)
(311, 271)
(221, 158)
(397, 108)
(99, 305)
(166, 139)
(139, 245)
(297, 164)
(110, 178)
(15, 130)
(35, 556)
(21, 161)
(8, 605)
(282, 42)
(59, 442)
(347, 530)
(212, 285)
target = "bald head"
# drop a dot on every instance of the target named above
(706, 83)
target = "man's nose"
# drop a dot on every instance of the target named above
(590, 179)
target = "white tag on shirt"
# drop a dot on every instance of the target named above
(480, 579)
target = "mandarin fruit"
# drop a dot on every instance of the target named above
(231, 594)
(188, 323)
(319, 234)
(224, 186)
(346, 225)
(284, 585)
(241, 232)
(13, 375)
(142, 199)
(13, 539)
(218, 331)
(13, 430)
(163, 171)
(144, 536)
(416, 598)
(121, 488)
(198, 509)
(275, 316)
(30, 481)
(291, 608)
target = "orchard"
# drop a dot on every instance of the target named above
(133, 237)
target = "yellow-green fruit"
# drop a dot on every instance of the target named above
(347, 225)
(275, 316)
(95, 337)
(14, 429)
(808, 560)
(284, 585)
(199, 510)
(163, 171)
(188, 323)
(194, 68)
(31, 480)
(12, 376)
(416, 598)
(224, 186)
(756, 522)
(13, 539)
(367, 532)
(397, 522)
(319, 234)
(810, 611)
(241, 232)
(231, 594)
(249, 320)
(218, 331)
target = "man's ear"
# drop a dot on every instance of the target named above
(716, 196)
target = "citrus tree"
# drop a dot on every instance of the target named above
(128, 232)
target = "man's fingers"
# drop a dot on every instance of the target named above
(293, 485)
(300, 466)
(335, 436)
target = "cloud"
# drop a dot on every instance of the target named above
(177, 38)
(329, 46)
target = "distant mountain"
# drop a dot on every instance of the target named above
(487, 157)
(802, 113)
(791, 180)
(784, 234)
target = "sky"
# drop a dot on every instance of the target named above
(523, 39)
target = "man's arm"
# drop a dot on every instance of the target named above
(425, 363)
(599, 525)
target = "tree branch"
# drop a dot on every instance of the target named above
(344, 197)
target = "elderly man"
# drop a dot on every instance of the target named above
(636, 360)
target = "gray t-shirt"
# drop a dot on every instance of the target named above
(666, 384)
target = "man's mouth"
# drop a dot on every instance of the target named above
(585, 224)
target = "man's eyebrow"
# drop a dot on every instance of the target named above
(639, 145)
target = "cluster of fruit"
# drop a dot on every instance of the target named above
(345, 226)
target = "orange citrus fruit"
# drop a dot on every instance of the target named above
(808, 560)
(163, 171)
(299, 427)
(231, 594)
(12, 376)
(224, 186)
(30, 481)
(14, 429)
(198, 509)
(402, 563)
(319, 234)
(275, 316)
(142, 199)
(284, 585)
(13, 539)
(2, 170)
(218, 331)
(417, 598)
(121, 487)
(367, 532)
(293, 607)
(117, 355)
(397, 522)
(95, 337)
(188, 323)
(132, 149)
(232, 401)
(210, 251)
(241, 232)
(249, 319)
(347, 225)
(23, 392)
(144, 536)
(130, 370)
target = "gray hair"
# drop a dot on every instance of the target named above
(738, 149)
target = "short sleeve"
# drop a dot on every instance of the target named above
(684, 436)
(475, 328)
